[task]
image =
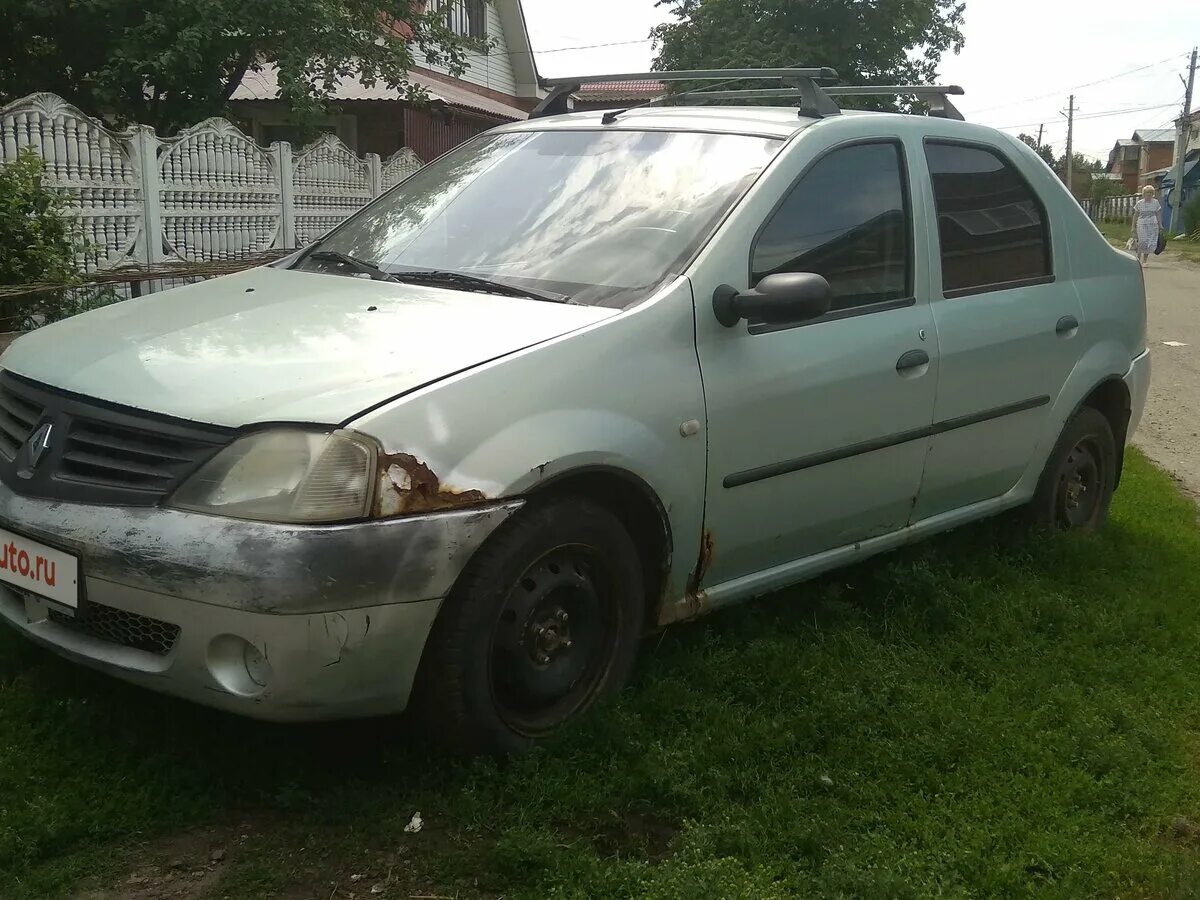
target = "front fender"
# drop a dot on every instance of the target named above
(624, 394)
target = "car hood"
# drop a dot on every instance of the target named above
(273, 345)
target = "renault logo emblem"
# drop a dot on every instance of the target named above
(35, 449)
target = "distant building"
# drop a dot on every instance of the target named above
(1134, 160)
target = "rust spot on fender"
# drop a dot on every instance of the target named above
(695, 602)
(407, 485)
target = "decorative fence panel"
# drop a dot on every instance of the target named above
(207, 195)
(221, 194)
(1111, 208)
(398, 167)
(328, 183)
(93, 168)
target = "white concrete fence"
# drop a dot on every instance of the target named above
(208, 194)
(1112, 208)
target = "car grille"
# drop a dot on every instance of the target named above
(97, 452)
(119, 627)
(17, 418)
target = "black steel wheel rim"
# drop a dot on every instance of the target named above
(1080, 481)
(554, 640)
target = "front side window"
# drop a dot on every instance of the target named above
(847, 219)
(992, 226)
(598, 217)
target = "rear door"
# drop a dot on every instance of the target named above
(1006, 326)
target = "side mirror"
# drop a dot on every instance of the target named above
(780, 299)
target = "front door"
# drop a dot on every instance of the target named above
(817, 432)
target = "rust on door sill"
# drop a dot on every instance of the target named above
(407, 485)
(694, 602)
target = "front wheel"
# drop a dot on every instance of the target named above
(543, 623)
(1077, 484)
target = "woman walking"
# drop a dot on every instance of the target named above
(1147, 221)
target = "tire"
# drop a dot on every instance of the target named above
(544, 622)
(1076, 487)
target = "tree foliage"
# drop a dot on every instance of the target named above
(867, 41)
(39, 244)
(170, 64)
(38, 241)
(1042, 150)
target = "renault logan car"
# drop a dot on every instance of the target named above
(582, 377)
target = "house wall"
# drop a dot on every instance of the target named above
(1156, 156)
(430, 135)
(493, 70)
(1128, 170)
(380, 126)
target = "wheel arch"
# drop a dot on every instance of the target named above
(639, 508)
(1111, 398)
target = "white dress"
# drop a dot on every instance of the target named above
(1147, 225)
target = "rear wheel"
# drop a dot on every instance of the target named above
(544, 622)
(1077, 484)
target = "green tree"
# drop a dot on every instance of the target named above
(1042, 150)
(170, 64)
(39, 243)
(867, 41)
(1081, 164)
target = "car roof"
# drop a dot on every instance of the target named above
(768, 121)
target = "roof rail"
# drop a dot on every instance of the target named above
(804, 80)
(937, 95)
(815, 99)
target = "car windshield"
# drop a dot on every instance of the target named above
(594, 217)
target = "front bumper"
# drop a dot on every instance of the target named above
(1137, 379)
(277, 622)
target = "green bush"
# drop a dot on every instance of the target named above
(38, 244)
(1191, 217)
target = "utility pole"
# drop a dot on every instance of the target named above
(1182, 133)
(1071, 146)
(1041, 128)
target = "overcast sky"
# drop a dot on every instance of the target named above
(1021, 60)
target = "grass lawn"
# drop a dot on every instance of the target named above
(1118, 233)
(988, 714)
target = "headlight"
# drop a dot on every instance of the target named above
(285, 475)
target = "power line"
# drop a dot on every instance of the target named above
(583, 47)
(1097, 115)
(1077, 87)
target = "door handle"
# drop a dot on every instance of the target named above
(913, 359)
(1066, 327)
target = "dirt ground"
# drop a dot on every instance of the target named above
(1170, 429)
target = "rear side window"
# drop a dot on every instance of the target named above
(847, 218)
(992, 226)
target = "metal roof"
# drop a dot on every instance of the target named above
(264, 85)
(1155, 135)
(612, 91)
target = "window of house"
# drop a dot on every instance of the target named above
(467, 17)
(847, 219)
(992, 227)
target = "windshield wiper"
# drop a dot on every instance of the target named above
(466, 282)
(360, 265)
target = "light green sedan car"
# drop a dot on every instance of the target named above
(583, 377)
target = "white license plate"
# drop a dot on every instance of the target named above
(39, 569)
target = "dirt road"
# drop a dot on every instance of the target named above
(1170, 429)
